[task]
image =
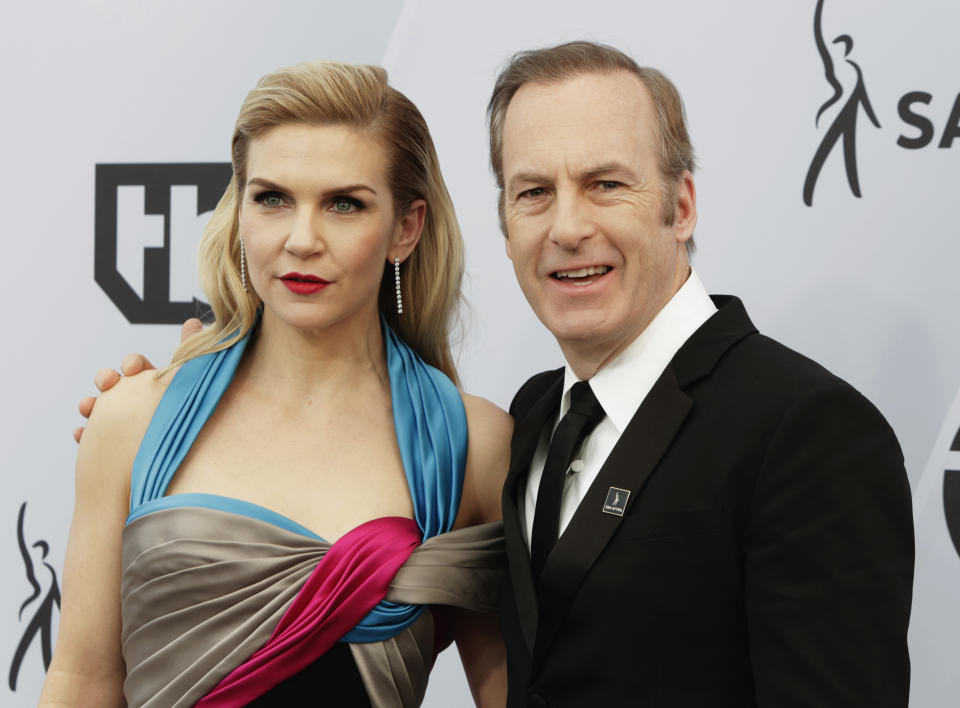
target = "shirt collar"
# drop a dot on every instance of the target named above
(622, 384)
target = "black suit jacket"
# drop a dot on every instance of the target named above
(765, 557)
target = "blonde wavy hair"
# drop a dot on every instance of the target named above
(330, 93)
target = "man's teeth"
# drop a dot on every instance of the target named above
(583, 272)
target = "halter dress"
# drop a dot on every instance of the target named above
(227, 603)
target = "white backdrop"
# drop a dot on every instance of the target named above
(865, 286)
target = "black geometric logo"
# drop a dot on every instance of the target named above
(844, 126)
(156, 203)
(951, 498)
(45, 595)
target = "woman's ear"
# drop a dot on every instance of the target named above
(406, 234)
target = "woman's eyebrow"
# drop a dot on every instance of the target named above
(345, 189)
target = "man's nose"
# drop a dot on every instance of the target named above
(572, 221)
(305, 238)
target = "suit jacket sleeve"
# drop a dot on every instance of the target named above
(828, 558)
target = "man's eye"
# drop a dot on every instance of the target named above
(608, 184)
(532, 193)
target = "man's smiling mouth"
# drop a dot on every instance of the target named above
(581, 276)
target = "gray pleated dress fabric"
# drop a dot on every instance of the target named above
(203, 589)
(207, 579)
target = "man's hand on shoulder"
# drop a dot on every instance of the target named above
(131, 365)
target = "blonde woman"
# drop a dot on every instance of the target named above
(303, 508)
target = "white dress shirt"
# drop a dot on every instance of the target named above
(620, 387)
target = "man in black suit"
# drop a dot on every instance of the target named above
(735, 528)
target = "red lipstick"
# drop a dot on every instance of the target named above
(303, 284)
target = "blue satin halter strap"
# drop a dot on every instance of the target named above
(431, 428)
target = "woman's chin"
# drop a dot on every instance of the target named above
(313, 318)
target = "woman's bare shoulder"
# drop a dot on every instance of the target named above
(488, 459)
(87, 656)
(118, 423)
(487, 420)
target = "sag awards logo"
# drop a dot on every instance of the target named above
(951, 497)
(849, 106)
(39, 606)
(148, 222)
(939, 488)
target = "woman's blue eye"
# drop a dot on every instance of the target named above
(346, 205)
(270, 199)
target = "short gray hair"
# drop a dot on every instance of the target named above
(674, 149)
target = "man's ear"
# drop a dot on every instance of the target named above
(685, 209)
(506, 241)
(406, 234)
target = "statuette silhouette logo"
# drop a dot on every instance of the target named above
(846, 108)
(851, 94)
(39, 606)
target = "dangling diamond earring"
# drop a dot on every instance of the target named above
(243, 264)
(396, 279)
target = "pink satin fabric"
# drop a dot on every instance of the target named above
(350, 580)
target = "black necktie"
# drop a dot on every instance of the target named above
(584, 414)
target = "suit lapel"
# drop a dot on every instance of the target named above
(630, 464)
(526, 435)
(628, 467)
(706, 347)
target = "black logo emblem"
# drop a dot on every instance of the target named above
(45, 595)
(951, 498)
(616, 501)
(844, 126)
(148, 219)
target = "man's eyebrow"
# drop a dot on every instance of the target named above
(533, 177)
(599, 170)
(345, 189)
(586, 175)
